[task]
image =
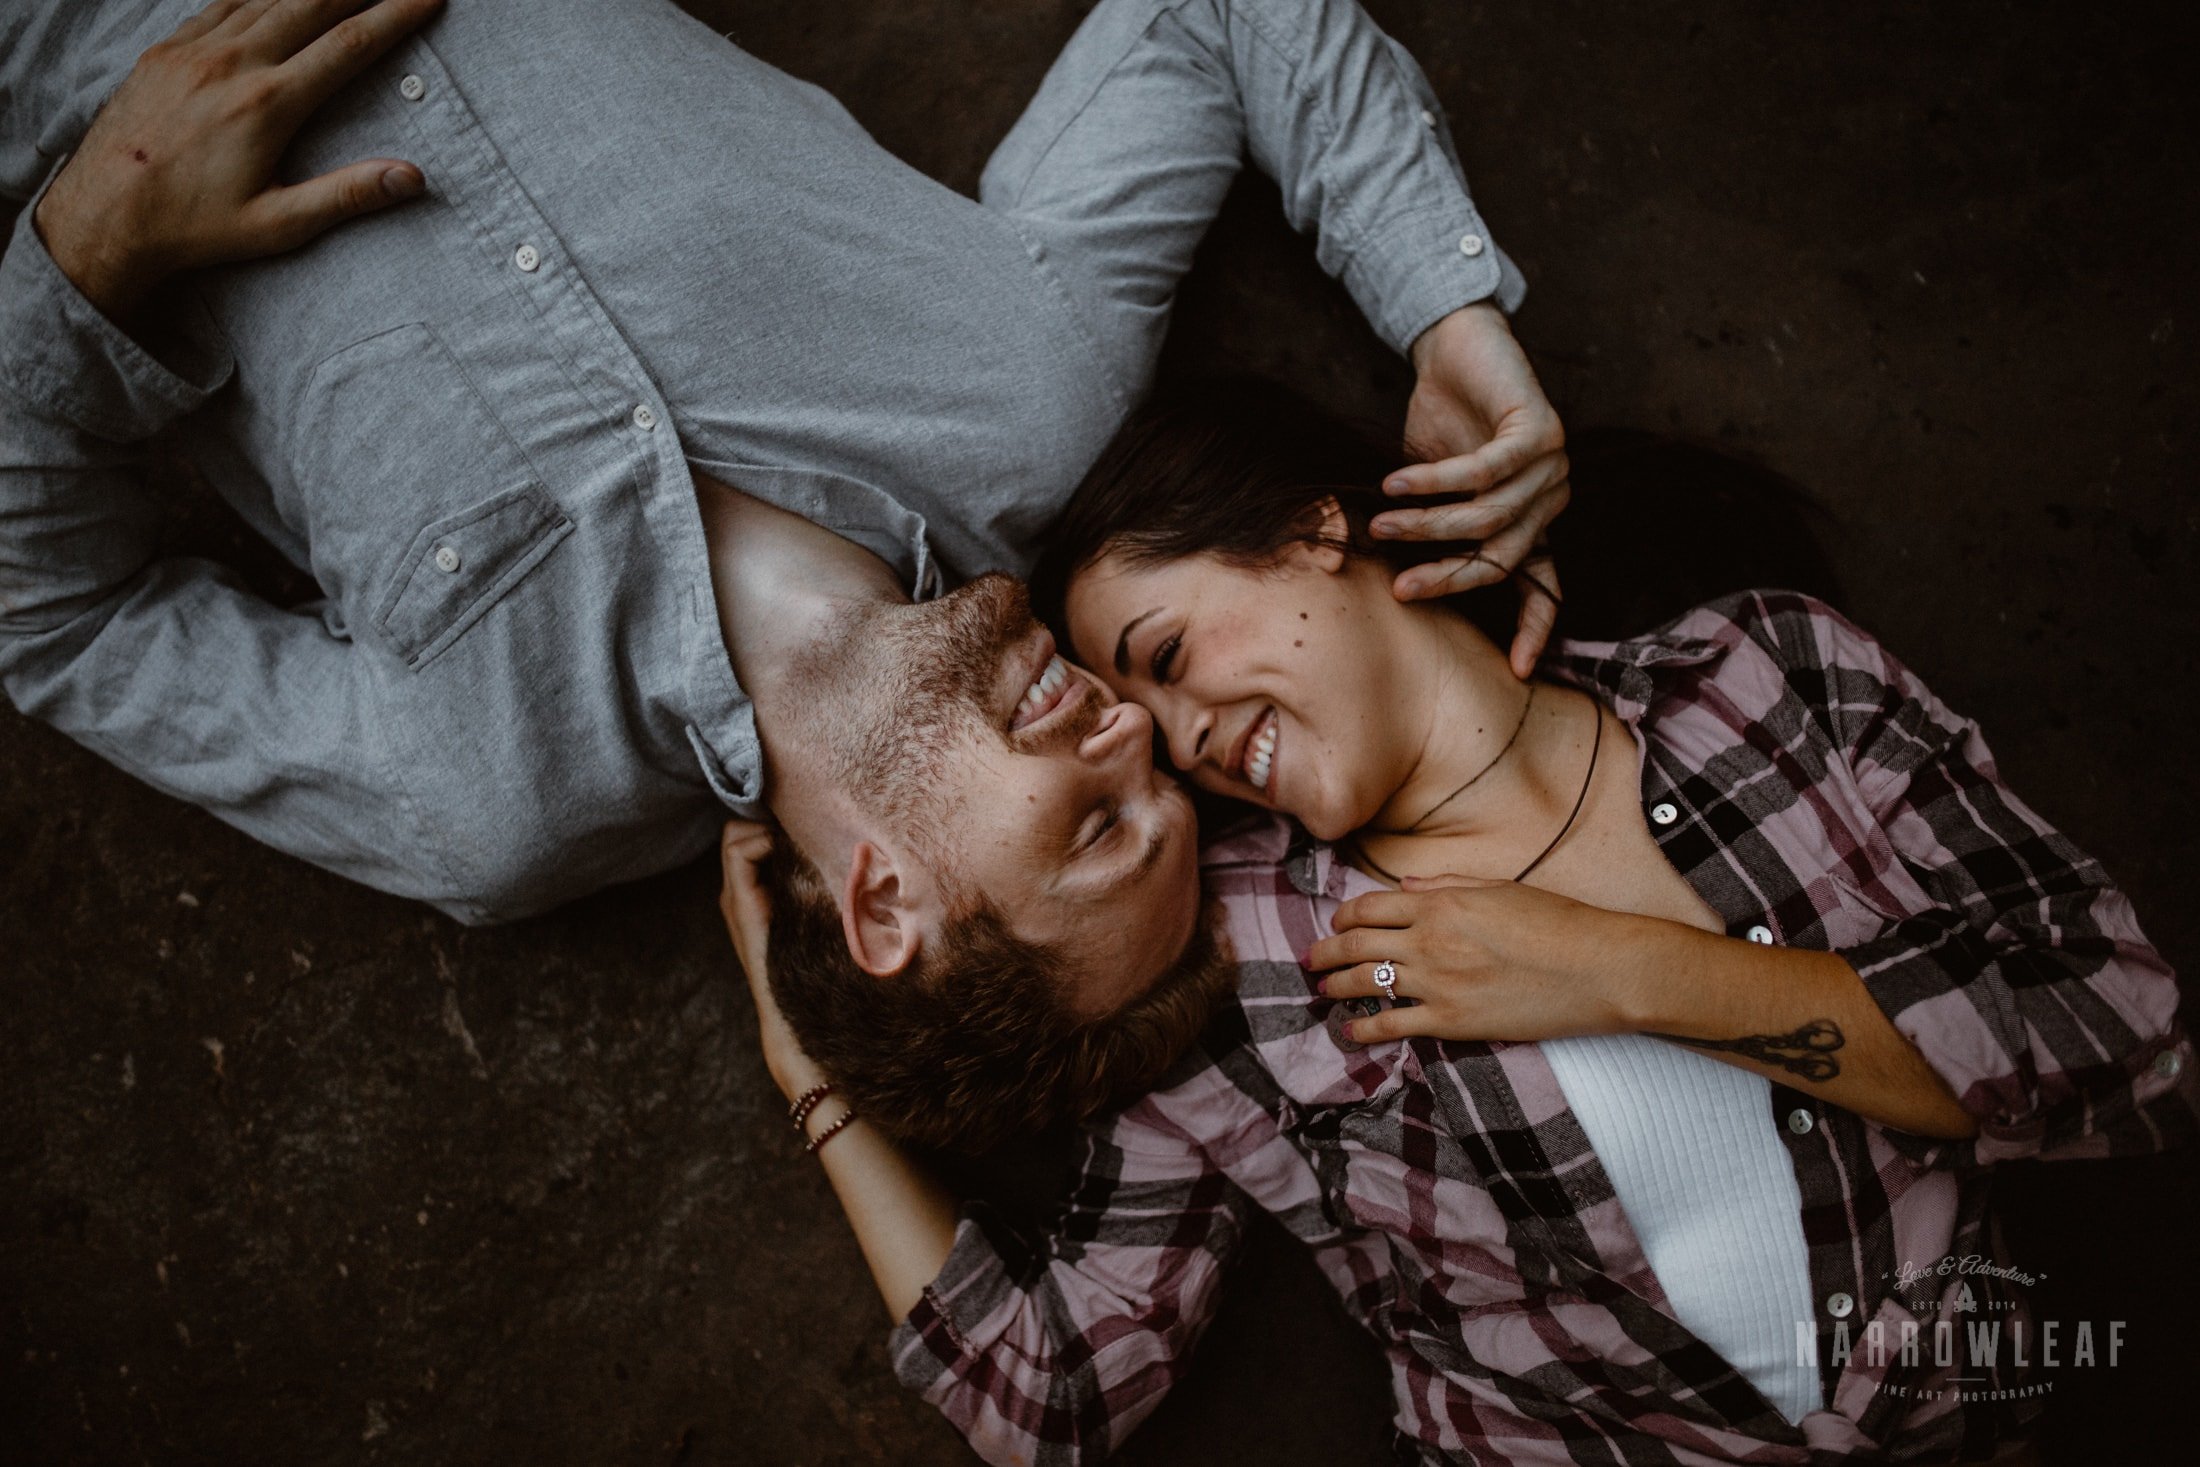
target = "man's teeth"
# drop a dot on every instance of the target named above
(1260, 760)
(1043, 687)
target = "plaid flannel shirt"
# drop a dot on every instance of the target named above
(1820, 792)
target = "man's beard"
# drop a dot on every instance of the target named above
(916, 685)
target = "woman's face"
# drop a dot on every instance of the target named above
(1276, 685)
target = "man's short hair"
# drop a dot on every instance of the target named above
(975, 1044)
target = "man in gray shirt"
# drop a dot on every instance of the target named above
(496, 424)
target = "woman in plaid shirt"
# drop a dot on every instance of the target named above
(1752, 834)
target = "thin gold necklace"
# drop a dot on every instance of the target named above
(1596, 742)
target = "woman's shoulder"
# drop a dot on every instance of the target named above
(1784, 637)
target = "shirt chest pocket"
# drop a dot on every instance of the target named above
(423, 512)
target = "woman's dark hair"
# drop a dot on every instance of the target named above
(1240, 469)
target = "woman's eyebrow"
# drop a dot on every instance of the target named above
(1123, 642)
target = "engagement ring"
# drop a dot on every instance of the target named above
(1386, 978)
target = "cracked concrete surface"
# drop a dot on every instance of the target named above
(296, 1173)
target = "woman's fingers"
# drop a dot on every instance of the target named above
(1391, 1024)
(743, 901)
(1359, 945)
(1358, 981)
(1375, 909)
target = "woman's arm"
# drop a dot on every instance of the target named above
(904, 1220)
(2017, 1010)
(1037, 1348)
(1496, 960)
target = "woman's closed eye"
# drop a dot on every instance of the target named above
(1164, 657)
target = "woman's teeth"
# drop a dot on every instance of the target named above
(1043, 687)
(1260, 760)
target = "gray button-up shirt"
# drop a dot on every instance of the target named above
(472, 418)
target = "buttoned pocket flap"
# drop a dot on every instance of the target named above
(460, 566)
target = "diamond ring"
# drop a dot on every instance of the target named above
(1386, 978)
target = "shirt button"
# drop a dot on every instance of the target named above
(412, 89)
(645, 417)
(446, 559)
(1470, 245)
(1760, 933)
(1664, 813)
(1839, 1305)
(526, 257)
(1800, 1121)
(1428, 118)
(2168, 1063)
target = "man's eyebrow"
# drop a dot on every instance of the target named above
(1123, 642)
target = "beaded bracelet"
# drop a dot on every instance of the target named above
(830, 1132)
(806, 1102)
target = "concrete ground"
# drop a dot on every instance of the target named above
(295, 1173)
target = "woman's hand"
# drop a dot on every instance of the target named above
(178, 169)
(1476, 401)
(1483, 959)
(747, 910)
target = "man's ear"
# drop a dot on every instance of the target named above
(1325, 551)
(878, 913)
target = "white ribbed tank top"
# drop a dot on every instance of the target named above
(1690, 1147)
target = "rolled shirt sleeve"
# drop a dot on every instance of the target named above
(2027, 984)
(1050, 1349)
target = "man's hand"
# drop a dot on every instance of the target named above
(1477, 400)
(178, 170)
(746, 907)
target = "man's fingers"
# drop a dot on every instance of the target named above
(281, 30)
(1539, 591)
(1477, 518)
(1518, 442)
(1513, 545)
(352, 44)
(285, 218)
(206, 20)
(1447, 577)
(236, 19)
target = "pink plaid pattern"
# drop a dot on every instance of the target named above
(1451, 1197)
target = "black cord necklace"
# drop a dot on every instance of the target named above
(1485, 769)
(1596, 742)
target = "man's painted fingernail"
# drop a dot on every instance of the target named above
(401, 183)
